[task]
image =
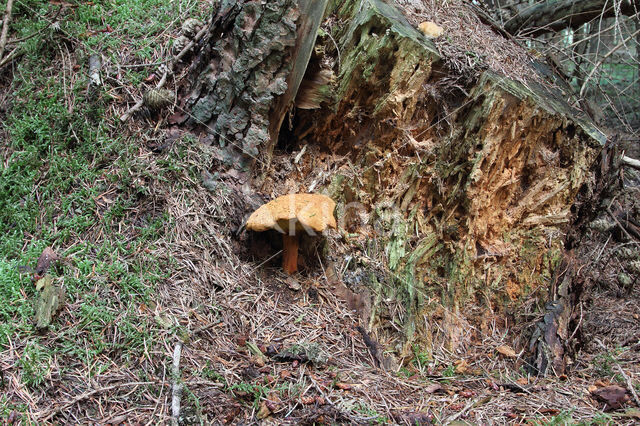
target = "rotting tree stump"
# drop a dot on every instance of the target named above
(465, 189)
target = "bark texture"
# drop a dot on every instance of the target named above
(245, 69)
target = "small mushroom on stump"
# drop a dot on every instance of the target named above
(290, 215)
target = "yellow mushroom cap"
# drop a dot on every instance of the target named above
(308, 212)
(431, 29)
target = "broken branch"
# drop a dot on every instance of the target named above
(5, 27)
(176, 390)
(631, 162)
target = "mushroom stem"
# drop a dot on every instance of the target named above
(289, 253)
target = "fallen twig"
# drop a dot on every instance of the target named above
(5, 27)
(176, 390)
(631, 162)
(629, 385)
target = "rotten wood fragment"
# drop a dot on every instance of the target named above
(50, 301)
(552, 341)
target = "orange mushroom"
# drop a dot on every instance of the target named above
(290, 215)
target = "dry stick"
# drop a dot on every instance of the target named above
(9, 57)
(176, 391)
(88, 395)
(604, 58)
(624, 230)
(174, 60)
(631, 162)
(5, 27)
(629, 385)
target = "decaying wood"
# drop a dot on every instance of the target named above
(456, 176)
(461, 169)
(552, 340)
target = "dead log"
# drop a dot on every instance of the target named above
(462, 180)
(557, 16)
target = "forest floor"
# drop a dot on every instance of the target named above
(154, 272)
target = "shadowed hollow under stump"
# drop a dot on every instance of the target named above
(291, 215)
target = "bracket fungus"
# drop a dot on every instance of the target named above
(291, 215)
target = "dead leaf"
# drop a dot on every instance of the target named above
(47, 257)
(462, 366)
(264, 411)
(613, 396)
(343, 386)
(522, 381)
(507, 351)
(307, 400)
(293, 284)
(285, 374)
(434, 387)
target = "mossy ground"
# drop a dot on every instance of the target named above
(75, 179)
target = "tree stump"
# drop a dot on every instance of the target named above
(465, 189)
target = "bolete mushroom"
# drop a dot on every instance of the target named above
(291, 215)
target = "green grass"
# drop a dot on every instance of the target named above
(58, 153)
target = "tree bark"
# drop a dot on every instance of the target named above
(556, 16)
(248, 72)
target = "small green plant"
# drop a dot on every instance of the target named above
(258, 392)
(371, 414)
(420, 359)
(605, 362)
(562, 419)
(34, 364)
(210, 373)
(450, 371)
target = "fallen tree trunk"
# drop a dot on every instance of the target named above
(556, 16)
(451, 193)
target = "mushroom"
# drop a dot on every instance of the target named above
(290, 215)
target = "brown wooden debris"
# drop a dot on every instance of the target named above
(613, 396)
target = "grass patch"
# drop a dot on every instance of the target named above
(71, 178)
